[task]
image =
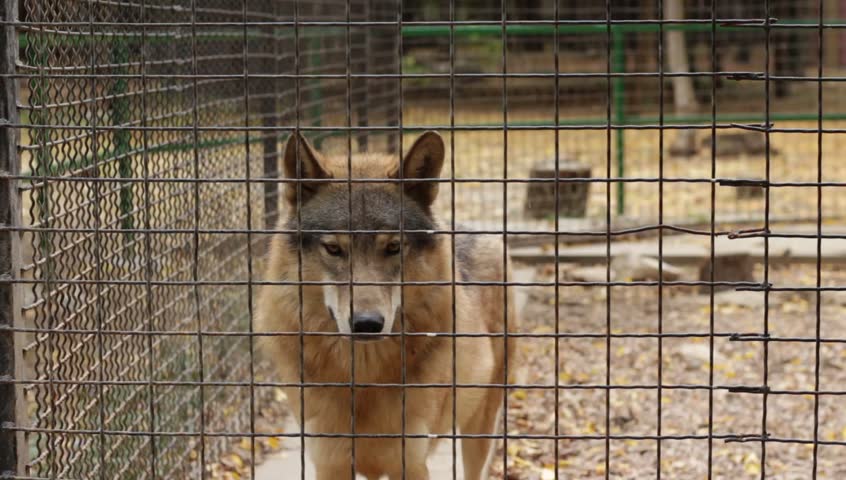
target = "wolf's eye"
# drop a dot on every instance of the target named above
(333, 249)
(393, 248)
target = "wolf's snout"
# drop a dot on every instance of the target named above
(367, 322)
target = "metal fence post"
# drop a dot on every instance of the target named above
(269, 113)
(618, 65)
(391, 44)
(12, 442)
(362, 40)
(318, 47)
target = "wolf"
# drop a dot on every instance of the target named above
(360, 309)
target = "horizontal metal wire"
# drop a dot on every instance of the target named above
(750, 23)
(340, 129)
(752, 286)
(294, 231)
(730, 75)
(738, 337)
(410, 385)
(752, 389)
(733, 75)
(728, 182)
(109, 331)
(511, 435)
(417, 23)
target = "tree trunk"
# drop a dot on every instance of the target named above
(684, 94)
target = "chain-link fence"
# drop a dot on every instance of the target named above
(142, 122)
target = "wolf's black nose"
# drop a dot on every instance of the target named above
(367, 322)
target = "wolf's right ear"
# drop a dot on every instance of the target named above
(311, 167)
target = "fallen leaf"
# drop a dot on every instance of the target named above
(752, 464)
(279, 395)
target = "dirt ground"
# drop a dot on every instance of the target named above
(695, 402)
(690, 410)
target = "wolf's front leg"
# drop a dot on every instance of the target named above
(333, 472)
(420, 472)
(416, 453)
(331, 456)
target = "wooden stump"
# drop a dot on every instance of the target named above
(750, 191)
(742, 143)
(572, 196)
(735, 267)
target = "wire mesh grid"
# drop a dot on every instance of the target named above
(150, 139)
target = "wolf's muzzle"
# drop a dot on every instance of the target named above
(367, 322)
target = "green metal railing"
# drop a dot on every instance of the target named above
(122, 138)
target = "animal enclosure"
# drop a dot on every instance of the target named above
(664, 173)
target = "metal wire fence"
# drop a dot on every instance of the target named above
(142, 144)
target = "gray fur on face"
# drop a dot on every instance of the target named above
(372, 208)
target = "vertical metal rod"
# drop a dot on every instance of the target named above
(504, 20)
(195, 261)
(403, 359)
(393, 112)
(660, 391)
(392, 116)
(713, 240)
(767, 206)
(268, 112)
(453, 266)
(618, 65)
(98, 259)
(13, 451)
(148, 250)
(557, 112)
(248, 205)
(611, 42)
(363, 62)
(295, 136)
(316, 45)
(348, 65)
(818, 306)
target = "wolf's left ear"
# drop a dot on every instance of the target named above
(424, 160)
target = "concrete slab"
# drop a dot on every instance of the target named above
(687, 250)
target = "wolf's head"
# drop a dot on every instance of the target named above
(352, 229)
